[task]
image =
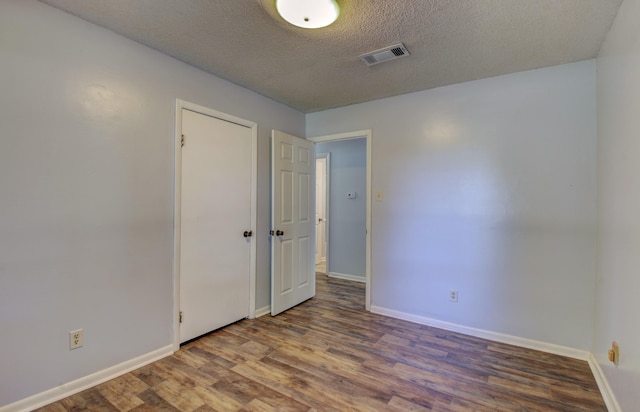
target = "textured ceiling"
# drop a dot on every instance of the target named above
(450, 41)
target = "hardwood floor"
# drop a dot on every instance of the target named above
(329, 354)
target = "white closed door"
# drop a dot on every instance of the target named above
(293, 278)
(215, 251)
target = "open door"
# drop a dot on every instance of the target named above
(293, 277)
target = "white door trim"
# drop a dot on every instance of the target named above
(181, 104)
(357, 135)
(327, 199)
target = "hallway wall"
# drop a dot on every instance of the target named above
(347, 217)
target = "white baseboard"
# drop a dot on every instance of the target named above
(605, 389)
(68, 389)
(599, 376)
(265, 310)
(485, 334)
(73, 387)
(344, 276)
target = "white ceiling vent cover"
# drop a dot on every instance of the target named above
(384, 55)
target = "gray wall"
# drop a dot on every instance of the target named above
(489, 189)
(86, 173)
(617, 307)
(347, 217)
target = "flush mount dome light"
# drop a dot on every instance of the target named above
(308, 14)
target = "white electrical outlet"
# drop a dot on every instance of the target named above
(76, 339)
(453, 296)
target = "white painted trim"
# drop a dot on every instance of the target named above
(73, 387)
(327, 198)
(357, 135)
(341, 136)
(265, 310)
(177, 212)
(344, 276)
(181, 104)
(603, 384)
(486, 334)
(254, 221)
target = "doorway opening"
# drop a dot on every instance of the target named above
(347, 232)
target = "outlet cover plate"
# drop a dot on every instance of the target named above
(76, 339)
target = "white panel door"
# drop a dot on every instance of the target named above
(215, 212)
(293, 278)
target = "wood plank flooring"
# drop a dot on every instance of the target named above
(328, 354)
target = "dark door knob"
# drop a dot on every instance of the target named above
(247, 233)
(279, 232)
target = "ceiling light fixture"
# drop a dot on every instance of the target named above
(308, 14)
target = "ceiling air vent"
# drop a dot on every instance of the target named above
(384, 55)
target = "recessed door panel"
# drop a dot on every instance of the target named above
(287, 201)
(304, 248)
(286, 279)
(304, 158)
(304, 197)
(286, 154)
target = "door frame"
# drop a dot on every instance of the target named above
(182, 104)
(359, 134)
(327, 195)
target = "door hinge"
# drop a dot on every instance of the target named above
(182, 141)
(180, 317)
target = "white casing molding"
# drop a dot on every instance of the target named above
(73, 387)
(357, 135)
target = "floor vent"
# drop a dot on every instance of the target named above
(384, 55)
